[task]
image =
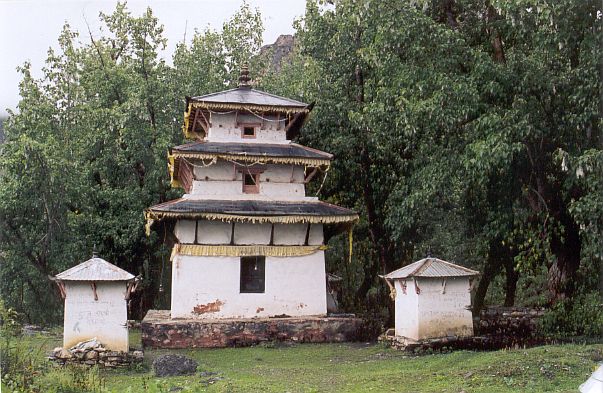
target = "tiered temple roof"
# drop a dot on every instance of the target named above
(245, 100)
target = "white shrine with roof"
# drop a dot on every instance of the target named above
(432, 299)
(248, 241)
(96, 293)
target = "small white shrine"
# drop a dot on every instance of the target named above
(96, 293)
(248, 241)
(432, 299)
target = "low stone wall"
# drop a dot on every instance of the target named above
(495, 328)
(159, 331)
(520, 322)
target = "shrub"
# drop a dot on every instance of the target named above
(581, 315)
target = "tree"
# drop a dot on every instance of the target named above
(86, 154)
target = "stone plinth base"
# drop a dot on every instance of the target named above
(487, 342)
(159, 331)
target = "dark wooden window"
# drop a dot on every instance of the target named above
(251, 183)
(253, 274)
(248, 132)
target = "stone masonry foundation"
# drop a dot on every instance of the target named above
(159, 331)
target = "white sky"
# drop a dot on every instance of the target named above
(29, 27)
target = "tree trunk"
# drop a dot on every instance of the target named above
(491, 269)
(562, 273)
(511, 277)
(566, 247)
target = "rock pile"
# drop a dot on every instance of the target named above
(92, 352)
(174, 365)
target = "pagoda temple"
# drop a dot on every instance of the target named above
(248, 242)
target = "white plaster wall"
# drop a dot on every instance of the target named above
(283, 173)
(214, 232)
(277, 181)
(294, 286)
(105, 318)
(221, 170)
(316, 235)
(223, 129)
(290, 234)
(185, 231)
(406, 304)
(250, 233)
(444, 314)
(218, 232)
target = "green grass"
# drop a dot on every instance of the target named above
(357, 367)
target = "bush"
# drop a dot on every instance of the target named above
(581, 315)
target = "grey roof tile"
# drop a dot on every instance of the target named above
(253, 149)
(252, 207)
(94, 269)
(431, 267)
(247, 96)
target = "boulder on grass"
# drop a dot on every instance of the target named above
(173, 365)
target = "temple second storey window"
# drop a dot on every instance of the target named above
(248, 132)
(253, 274)
(251, 183)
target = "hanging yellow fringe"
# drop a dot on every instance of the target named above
(257, 158)
(221, 106)
(249, 107)
(147, 226)
(187, 116)
(243, 251)
(298, 219)
(171, 167)
(350, 241)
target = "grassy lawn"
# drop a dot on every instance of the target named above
(356, 367)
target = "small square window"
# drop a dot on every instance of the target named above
(248, 132)
(253, 274)
(251, 183)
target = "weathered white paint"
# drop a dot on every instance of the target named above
(185, 231)
(218, 232)
(445, 314)
(214, 232)
(316, 235)
(222, 181)
(231, 189)
(294, 286)
(220, 170)
(290, 234)
(283, 173)
(105, 318)
(407, 306)
(248, 233)
(439, 309)
(224, 129)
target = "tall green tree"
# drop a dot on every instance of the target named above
(455, 125)
(86, 152)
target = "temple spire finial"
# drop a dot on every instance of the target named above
(94, 252)
(244, 79)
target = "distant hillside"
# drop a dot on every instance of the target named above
(280, 51)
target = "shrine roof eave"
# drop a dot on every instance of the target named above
(431, 268)
(291, 153)
(281, 212)
(247, 98)
(94, 269)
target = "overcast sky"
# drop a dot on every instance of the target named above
(29, 27)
